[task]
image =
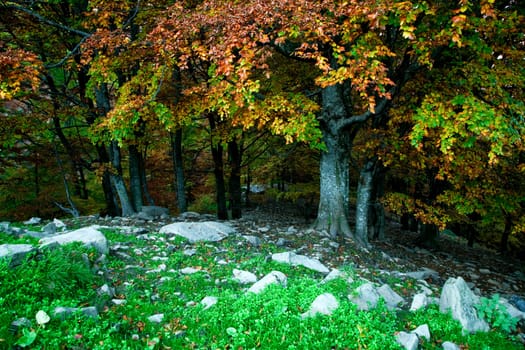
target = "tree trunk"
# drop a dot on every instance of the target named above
(218, 169)
(377, 212)
(506, 233)
(144, 179)
(235, 158)
(220, 186)
(135, 183)
(332, 215)
(112, 208)
(176, 151)
(363, 204)
(118, 182)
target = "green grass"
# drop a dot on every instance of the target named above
(240, 320)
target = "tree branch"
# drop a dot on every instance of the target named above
(48, 21)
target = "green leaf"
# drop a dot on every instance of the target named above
(27, 338)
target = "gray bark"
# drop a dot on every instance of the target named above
(176, 148)
(135, 183)
(332, 215)
(118, 182)
(364, 195)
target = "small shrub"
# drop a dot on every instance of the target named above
(492, 311)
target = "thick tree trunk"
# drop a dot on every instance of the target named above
(176, 151)
(235, 159)
(332, 215)
(135, 183)
(363, 204)
(118, 182)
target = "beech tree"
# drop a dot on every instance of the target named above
(363, 52)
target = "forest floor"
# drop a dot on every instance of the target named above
(483, 268)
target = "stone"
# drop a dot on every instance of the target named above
(422, 332)
(274, 277)
(33, 221)
(154, 211)
(157, 318)
(90, 236)
(296, 259)
(62, 313)
(518, 302)
(209, 301)
(423, 274)
(106, 290)
(392, 299)
(449, 346)
(244, 277)
(408, 341)
(366, 297)
(19, 323)
(15, 252)
(190, 215)
(208, 231)
(419, 301)
(189, 271)
(59, 224)
(253, 240)
(50, 228)
(324, 304)
(119, 301)
(511, 310)
(457, 298)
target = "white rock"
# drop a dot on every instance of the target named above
(59, 223)
(449, 346)
(189, 271)
(33, 221)
(244, 277)
(422, 332)
(209, 301)
(324, 304)
(392, 299)
(457, 298)
(274, 277)
(157, 318)
(296, 259)
(90, 236)
(420, 300)
(15, 252)
(366, 298)
(409, 341)
(208, 231)
(253, 240)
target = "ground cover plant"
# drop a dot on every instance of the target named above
(146, 274)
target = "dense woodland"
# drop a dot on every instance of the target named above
(349, 111)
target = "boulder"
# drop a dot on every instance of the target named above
(366, 297)
(15, 252)
(209, 301)
(208, 231)
(274, 277)
(449, 346)
(90, 236)
(419, 301)
(244, 277)
(324, 304)
(392, 299)
(296, 259)
(408, 341)
(422, 332)
(457, 298)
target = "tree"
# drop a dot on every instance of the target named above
(363, 53)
